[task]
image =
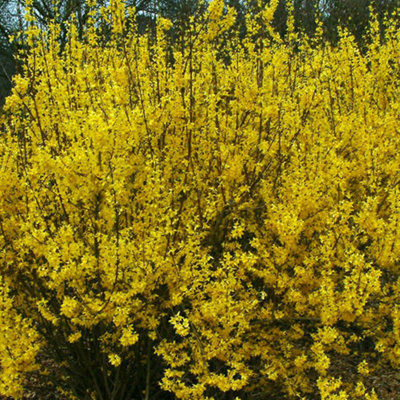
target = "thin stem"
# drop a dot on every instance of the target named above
(148, 372)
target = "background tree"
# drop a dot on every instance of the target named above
(8, 26)
(305, 13)
(353, 15)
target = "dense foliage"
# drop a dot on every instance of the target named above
(215, 217)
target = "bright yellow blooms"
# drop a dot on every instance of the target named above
(223, 213)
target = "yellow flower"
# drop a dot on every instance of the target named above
(74, 337)
(114, 359)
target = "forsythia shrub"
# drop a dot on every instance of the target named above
(218, 217)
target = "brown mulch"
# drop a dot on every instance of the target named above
(384, 379)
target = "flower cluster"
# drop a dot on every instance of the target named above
(215, 215)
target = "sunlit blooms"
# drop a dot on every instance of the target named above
(235, 201)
